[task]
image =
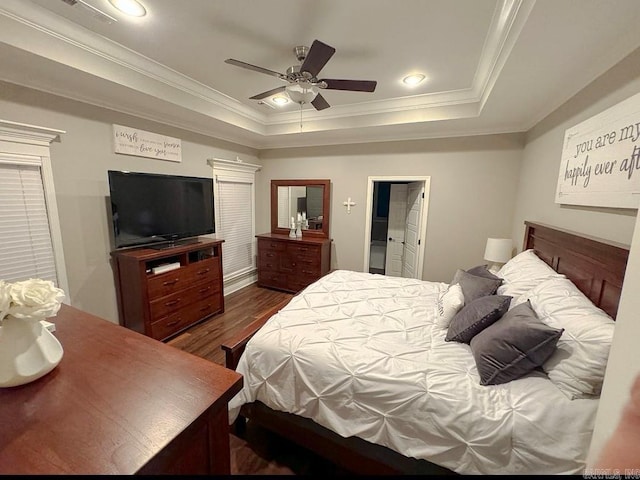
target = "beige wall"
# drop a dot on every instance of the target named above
(80, 162)
(541, 160)
(473, 191)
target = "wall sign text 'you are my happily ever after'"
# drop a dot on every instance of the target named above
(601, 159)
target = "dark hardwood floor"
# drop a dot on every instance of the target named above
(240, 308)
(257, 451)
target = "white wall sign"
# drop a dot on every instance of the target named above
(131, 141)
(601, 159)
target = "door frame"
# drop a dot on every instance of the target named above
(423, 217)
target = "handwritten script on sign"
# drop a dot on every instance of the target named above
(601, 159)
(131, 141)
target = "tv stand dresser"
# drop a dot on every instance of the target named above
(188, 290)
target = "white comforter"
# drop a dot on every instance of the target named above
(361, 355)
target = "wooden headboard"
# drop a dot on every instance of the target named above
(595, 266)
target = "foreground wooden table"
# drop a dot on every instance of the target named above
(118, 403)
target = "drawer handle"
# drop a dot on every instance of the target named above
(206, 307)
(274, 244)
(171, 303)
(307, 271)
(202, 272)
(175, 322)
(269, 254)
(293, 264)
(170, 282)
(202, 290)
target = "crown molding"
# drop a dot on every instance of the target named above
(31, 28)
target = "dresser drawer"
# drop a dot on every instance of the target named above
(265, 244)
(305, 265)
(303, 250)
(204, 269)
(269, 265)
(269, 256)
(272, 279)
(166, 283)
(175, 301)
(174, 322)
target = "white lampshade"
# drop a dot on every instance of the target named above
(498, 250)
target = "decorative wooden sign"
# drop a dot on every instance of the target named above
(601, 159)
(131, 141)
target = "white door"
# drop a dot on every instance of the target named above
(412, 227)
(395, 229)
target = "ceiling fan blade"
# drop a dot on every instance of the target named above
(262, 95)
(255, 68)
(318, 56)
(319, 103)
(352, 85)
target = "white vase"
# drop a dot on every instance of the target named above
(28, 351)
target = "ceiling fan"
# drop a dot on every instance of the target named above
(304, 84)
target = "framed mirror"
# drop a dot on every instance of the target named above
(306, 201)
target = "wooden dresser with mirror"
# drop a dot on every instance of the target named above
(292, 263)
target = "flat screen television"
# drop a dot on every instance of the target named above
(159, 210)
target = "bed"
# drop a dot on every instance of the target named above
(357, 368)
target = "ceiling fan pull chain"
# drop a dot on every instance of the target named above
(301, 118)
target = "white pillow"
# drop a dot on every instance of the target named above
(522, 273)
(578, 365)
(449, 303)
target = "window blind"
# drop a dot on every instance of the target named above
(26, 249)
(236, 226)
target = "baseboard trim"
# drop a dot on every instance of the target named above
(240, 282)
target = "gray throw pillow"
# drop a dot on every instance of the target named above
(476, 316)
(483, 271)
(474, 286)
(513, 346)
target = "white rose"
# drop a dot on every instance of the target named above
(35, 298)
(5, 298)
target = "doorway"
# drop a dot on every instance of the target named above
(396, 225)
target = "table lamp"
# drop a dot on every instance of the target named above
(498, 252)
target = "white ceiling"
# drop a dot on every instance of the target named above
(492, 66)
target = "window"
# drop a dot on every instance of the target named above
(234, 197)
(235, 201)
(31, 245)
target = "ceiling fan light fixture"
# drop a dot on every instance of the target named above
(302, 93)
(413, 79)
(129, 7)
(280, 100)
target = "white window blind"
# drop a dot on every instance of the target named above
(26, 249)
(235, 226)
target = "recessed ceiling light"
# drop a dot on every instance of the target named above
(414, 79)
(129, 7)
(280, 100)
